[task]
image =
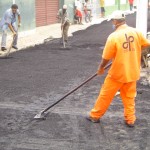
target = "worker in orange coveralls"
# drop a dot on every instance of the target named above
(123, 47)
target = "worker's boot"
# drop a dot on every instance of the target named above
(3, 48)
(15, 47)
(130, 124)
(67, 44)
(92, 119)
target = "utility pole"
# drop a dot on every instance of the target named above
(118, 4)
(141, 16)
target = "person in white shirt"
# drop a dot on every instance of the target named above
(88, 7)
(78, 4)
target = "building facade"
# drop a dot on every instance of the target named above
(46, 11)
(112, 5)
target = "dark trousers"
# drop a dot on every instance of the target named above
(131, 7)
(65, 31)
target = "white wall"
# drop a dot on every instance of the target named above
(109, 2)
(141, 18)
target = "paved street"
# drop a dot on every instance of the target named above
(34, 78)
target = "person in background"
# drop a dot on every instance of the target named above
(9, 21)
(135, 4)
(65, 23)
(131, 4)
(85, 10)
(87, 7)
(102, 3)
(78, 15)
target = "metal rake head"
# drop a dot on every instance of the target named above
(40, 116)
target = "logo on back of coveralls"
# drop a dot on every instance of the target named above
(127, 45)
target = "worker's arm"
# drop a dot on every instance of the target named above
(19, 20)
(8, 22)
(62, 25)
(145, 43)
(66, 16)
(101, 69)
(109, 53)
(11, 29)
(146, 47)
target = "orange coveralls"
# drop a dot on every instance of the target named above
(123, 47)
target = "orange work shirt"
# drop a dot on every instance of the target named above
(123, 47)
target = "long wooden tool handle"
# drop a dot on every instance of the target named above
(75, 89)
(14, 37)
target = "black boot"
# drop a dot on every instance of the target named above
(3, 48)
(15, 47)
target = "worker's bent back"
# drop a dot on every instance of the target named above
(124, 47)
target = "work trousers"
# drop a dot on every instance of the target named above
(4, 35)
(107, 93)
(131, 7)
(65, 31)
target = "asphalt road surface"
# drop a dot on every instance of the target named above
(34, 78)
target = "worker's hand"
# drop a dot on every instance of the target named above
(14, 33)
(19, 25)
(100, 71)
